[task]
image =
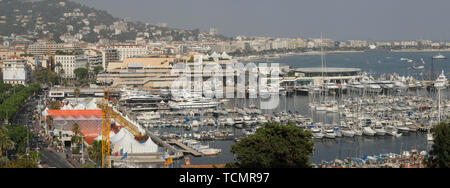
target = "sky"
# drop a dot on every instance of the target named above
(373, 20)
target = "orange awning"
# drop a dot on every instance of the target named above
(74, 112)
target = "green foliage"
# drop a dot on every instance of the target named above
(274, 146)
(12, 104)
(81, 75)
(441, 147)
(5, 142)
(45, 76)
(95, 152)
(54, 106)
(191, 59)
(20, 135)
(97, 70)
(21, 162)
(77, 137)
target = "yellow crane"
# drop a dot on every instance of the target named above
(106, 127)
(107, 114)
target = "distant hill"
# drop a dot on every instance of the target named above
(62, 17)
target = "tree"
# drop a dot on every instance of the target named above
(440, 153)
(191, 59)
(76, 92)
(20, 135)
(81, 75)
(54, 106)
(5, 142)
(21, 162)
(95, 152)
(77, 137)
(275, 146)
(97, 70)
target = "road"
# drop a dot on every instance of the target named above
(51, 159)
(29, 116)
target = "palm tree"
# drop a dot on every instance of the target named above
(95, 152)
(77, 93)
(76, 138)
(5, 142)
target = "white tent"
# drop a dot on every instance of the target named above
(125, 140)
(92, 105)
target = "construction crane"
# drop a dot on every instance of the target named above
(109, 113)
(106, 126)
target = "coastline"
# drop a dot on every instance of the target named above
(278, 56)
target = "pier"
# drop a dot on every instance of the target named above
(186, 149)
(176, 153)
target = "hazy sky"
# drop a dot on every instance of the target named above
(337, 19)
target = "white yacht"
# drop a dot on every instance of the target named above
(439, 56)
(391, 130)
(348, 133)
(358, 132)
(193, 103)
(317, 133)
(441, 81)
(229, 122)
(329, 133)
(368, 131)
(380, 131)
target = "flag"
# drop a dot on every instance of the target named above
(124, 156)
(168, 161)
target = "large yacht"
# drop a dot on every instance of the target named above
(441, 81)
(193, 103)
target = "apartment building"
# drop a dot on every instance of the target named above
(16, 71)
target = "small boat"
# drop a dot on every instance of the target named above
(439, 56)
(358, 132)
(317, 133)
(430, 137)
(329, 133)
(348, 133)
(368, 131)
(403, 129)
(391, 131)
(379, 131)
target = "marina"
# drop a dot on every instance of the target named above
(351, 113)
(362, 110)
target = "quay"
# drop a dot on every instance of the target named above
(176, 154)
(185, 149)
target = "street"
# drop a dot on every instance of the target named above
(29, 115)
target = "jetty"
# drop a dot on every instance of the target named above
(184, 148)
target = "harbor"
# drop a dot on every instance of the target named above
(351, 113)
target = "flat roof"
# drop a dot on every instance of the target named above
(327, 70)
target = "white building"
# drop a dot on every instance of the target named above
(69, 63)
(128, 51)
(16, 71)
